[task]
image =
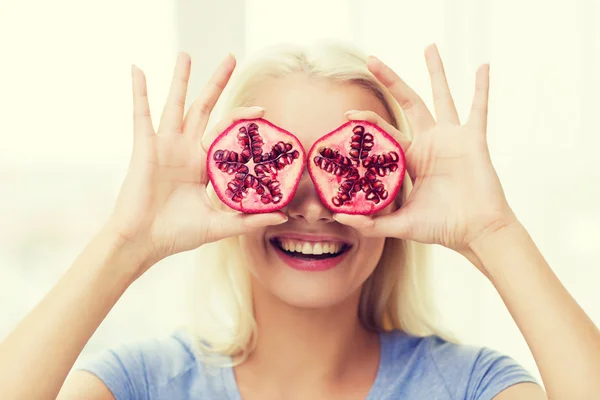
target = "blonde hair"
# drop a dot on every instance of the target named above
(397, 295)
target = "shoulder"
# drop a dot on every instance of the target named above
(458, 370)
(161, 367)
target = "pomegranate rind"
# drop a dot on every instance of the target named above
(328, 184)
(288, 177)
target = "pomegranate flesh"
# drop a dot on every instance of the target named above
(255, 166)
(357, 169)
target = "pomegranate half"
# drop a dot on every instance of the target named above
(255, 166)
(357, 168)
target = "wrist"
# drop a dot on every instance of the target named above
(486, 240)
(502, 222)
(132, 258)
(498, 238)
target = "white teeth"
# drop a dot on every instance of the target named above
(307, 248)
(316, 248)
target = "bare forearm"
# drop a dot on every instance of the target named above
(37, 356)
(563, 340)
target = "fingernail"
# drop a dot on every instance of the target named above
(336, 217)
(183, 56)
(256, 108)
(432, 47)
(373, 60)
(281, 222)
(351, 112)
(227, 59)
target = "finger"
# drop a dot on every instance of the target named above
(445, 110)
(479, 110)
(236, 114)
(375, 119)
(199, 113)
(395, 225)
(413, 106)
(142, 121)
(226, 224)
(171, 119)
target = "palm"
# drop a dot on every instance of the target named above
(455, 189)
(178, 194)
(456, 194)
(163, 205)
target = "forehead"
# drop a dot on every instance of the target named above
(310, 108)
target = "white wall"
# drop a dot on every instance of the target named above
(65, 113)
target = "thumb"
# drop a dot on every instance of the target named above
(254, 221)
(396, 225)
(228, 224)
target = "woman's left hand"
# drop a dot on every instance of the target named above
(457, 196)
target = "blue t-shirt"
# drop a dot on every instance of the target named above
(410, 368)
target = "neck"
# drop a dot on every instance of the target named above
(310, 345)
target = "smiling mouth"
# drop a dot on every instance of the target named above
(311, 251)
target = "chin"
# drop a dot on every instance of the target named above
(309, 292)
(311, 271)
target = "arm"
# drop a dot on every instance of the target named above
(38, 350)
(457, 201)
(83, 385)
(564, 341)
(162, 209)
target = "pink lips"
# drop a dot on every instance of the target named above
(307, 264)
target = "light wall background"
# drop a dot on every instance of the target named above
(65, 126)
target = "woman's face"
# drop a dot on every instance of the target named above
(309, 109)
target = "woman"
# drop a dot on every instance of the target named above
(358, 330)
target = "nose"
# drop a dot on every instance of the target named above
(306, 206)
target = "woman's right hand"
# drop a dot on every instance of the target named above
(163, 207)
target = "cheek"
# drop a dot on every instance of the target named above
(370, 253)
(253, 248)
